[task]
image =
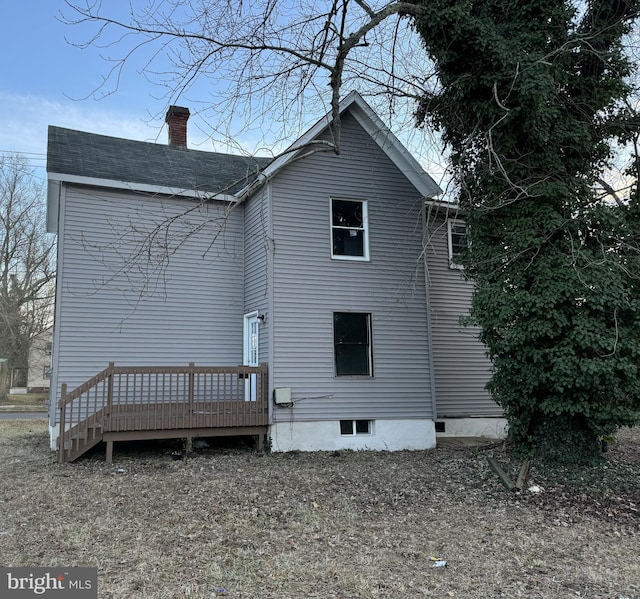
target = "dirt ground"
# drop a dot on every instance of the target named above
(230, 522)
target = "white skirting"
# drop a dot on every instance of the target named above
(490, 428)
(53, 436)
(385, 435)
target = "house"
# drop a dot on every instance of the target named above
(39, 370)
(313, 298)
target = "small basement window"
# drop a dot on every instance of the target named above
(355, 427)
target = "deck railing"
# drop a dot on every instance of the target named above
(152, 398)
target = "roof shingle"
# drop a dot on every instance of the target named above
(95, 156)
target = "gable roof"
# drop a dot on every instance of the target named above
(99, 159)
(379, 132)
(92, 159)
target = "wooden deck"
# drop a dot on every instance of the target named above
(149, 402)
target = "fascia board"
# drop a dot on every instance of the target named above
(140, 187)
(444, 204)
(287, 156)
(378, 131)
(392, 146)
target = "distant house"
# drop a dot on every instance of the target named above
(39, 372)
(314, 298)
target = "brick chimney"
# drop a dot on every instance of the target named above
(177, 118)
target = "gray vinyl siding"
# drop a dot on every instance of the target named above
(461, 366)
(257, 251)
(113, 307)
(309, 287)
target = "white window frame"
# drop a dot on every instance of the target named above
(364, 229)
(451, 223)
(354, 432)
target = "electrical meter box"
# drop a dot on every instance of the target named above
(282, 395)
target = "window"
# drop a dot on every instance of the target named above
(355, 427)
(47, 348)
(352, 341)
(349, 230)
(46, 374)
(457, 233)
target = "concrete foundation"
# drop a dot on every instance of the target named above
(384, 435)
(488, 428)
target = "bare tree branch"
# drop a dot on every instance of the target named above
(27, 267)
(262, 53)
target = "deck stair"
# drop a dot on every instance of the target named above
(148, 402)
(81, 439)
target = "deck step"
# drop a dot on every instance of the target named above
(74, 449)
(91, 433)
(80, 438)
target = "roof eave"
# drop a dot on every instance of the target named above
(196, 194)
(379, 132)
(55, 180)
(445, 205)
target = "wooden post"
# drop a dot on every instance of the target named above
(264, 395)
(107, 424)
(524, 472)
(190, 394)
(109, 456)
(62, 423)
(505, 479)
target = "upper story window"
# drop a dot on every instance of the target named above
(457, 236)
(349, 230)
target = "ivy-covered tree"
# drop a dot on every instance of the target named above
(533, 95)
(529, 95)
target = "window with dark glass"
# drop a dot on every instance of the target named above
(355, 427)
(352, 340)
(349, 236)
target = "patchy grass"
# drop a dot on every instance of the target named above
(230, 522)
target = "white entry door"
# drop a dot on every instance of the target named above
(251, 358)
